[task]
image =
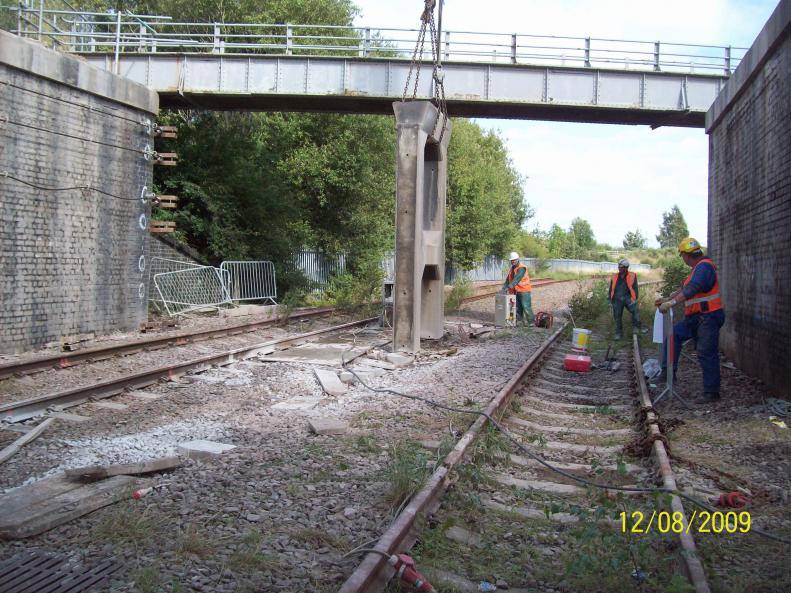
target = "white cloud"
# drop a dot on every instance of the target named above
(618, 177)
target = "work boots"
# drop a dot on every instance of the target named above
(709, 397)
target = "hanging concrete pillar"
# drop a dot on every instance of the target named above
(421, 188)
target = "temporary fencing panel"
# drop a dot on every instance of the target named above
(250, 280)
(193, 288)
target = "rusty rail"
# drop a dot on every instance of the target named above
(690, 560)
(373, 572)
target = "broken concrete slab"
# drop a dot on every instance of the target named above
(400, 360)
(146, 395)
(552, 487)
(43, 505)
(381, 364)
(264, 311)
(330, 382)
(463, 536)
(347, 377)
(29, 436)
(68, 417)
(96, 472)
(202, 449)
(297, 404)
(109, 405)
(328, 426)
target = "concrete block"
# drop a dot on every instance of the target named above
(328, 426)
(330, 382)
(109, 405)
(202, 449)
(69, 417)
(264, 311)
(400, 360)
(145, 395)
(421, 188)
(297, 404)
(462, 536)
(347, 377)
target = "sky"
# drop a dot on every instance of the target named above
(619, 178)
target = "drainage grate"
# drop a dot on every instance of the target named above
(40, 572)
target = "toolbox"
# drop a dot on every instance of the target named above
(577, 362)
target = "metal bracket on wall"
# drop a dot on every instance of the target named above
(162, 226)
(168, 159)
(165, 131)
(167, 202)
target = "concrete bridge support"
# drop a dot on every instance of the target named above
(421, 189)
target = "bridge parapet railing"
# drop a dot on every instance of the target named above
(121, 32)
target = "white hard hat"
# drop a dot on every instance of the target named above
(514, 255)
(624, 262)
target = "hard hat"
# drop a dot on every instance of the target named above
(689, 245)
(624, 262)
(514, 255)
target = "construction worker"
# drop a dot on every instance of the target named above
(703, 316)
(518, 282)
(623, 294)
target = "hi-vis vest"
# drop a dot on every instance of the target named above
(524, 283)
(703, 302)
(630, 277)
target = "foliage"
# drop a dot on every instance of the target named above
(406, 472)
(486, 205)
(349, 291)
(589, 304)
(581, 233)
(673, 228)
(462, 288)
(675, 273)
(634, 240)
(530, 244)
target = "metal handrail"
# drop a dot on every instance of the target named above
(117, 33)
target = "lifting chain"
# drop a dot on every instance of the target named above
(438, 76)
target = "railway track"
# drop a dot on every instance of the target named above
(492, 510)
(67, 360)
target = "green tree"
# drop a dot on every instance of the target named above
(634, 240)
(673, 228)
(581, 234)
(486, 207)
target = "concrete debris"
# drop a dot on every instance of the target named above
(377, 364)
(329, 382)
(109, 405)
(328, 426)
(347, 377)
(202, 449)
(96, 472)
(145, 395)
(69, 417)
(463, 536)
(297, 404)
(432, 446)
(263, 311)
(400, 360)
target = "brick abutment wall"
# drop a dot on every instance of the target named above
(750, 205)
(75, 260)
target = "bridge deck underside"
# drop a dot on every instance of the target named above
(295, 83)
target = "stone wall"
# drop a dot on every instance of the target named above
(749, 239)
(72, 260)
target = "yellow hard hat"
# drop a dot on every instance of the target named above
(689, 245)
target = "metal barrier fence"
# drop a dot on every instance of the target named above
(117, 32)
(160, 265)
(318, 267)
(250, 280)
(191, 289)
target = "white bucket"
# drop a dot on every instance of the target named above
(579, 339)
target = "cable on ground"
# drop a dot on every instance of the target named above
(546, 464)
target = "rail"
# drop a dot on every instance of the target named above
(122, 32)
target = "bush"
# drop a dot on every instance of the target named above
(362, 288)
(462, 288)
(675, 273)
(588, 304)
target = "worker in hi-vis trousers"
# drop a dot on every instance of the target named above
(703, 316)
(623, 295)
(518, 282)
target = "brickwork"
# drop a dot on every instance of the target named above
(72, 261)
(750, 219)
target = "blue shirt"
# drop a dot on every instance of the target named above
(703, 280)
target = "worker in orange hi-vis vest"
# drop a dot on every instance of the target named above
(623, 295)
(703, 316)
(518, 282)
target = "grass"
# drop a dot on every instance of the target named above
(248, 557)
(319, 538)
(406, 473)
(461, 289)
(125, 525)
(193, 541)
(147, 579)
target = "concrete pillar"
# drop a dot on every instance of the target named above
(421, 188)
